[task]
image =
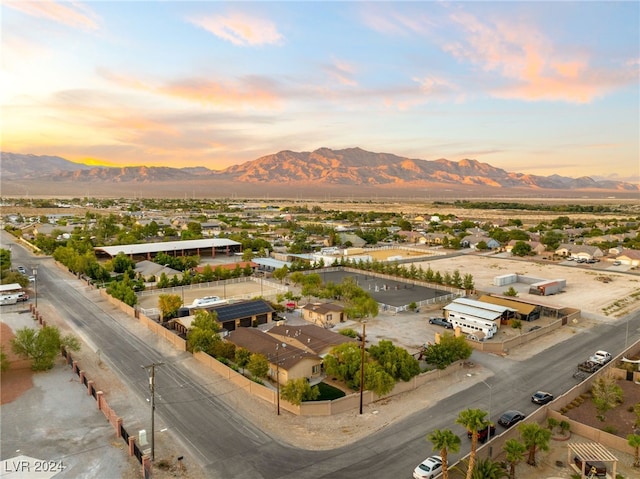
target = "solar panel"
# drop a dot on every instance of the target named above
(228, 312)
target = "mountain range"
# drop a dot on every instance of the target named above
(325, 169)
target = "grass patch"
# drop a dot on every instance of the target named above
(329, 393)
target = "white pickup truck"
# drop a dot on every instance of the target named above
(601, 357)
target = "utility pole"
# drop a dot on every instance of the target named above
(152, 387)
(364, 324)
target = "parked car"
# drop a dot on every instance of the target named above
(601, 357)
(542, 397)
(484, 434)
(510, 418)
(617, 263)
(596, 467)
(22, 297)
(22, 270)
(429, 468)
(441, 322)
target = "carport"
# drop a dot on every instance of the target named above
(588, 452)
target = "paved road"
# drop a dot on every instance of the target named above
(228, 446)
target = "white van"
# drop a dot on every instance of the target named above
(207, 301)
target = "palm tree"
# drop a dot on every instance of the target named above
(534, 437)
(444, 441)
(488, 469)
(634, 442)
(514, 451)
(474, 420)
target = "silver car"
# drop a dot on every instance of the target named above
(429, 468)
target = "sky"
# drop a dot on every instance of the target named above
(532, 87)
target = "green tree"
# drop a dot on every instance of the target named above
(510, 292)
(42, 346)
(169, 305)
(534, 438)
(297, 277)
(514, 452)
(551, 239)
(473, 420)
(121, 263)
(5, 258)
(203, 333)
(516, 324)
(395, 361)
(521, 248)
(258, 366)
(606, 394)
(444, 441)
(298, 390)
(4, 360)
(281, 273)
(488, 469)
(242, 358)
(447, 351)
(376, 379)
(634, 441)
(343, 362)
(468, 283)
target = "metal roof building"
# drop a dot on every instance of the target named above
(201, 247)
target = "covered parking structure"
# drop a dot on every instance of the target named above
(147, 251)
(590, 453)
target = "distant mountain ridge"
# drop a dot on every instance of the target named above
(324, 166)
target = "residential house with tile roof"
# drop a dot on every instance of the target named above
(286, 361)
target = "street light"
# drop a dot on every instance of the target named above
(34, 271)
(278, 375)
(490, 390)
(364, 324)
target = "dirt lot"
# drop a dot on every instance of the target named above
(585, 289)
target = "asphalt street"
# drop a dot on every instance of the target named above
(228, 446)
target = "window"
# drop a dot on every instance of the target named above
(328, 317)
(315, 369)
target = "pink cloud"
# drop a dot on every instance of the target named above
(342, 72)
(253, 92)
(534, 67)
(240, 29)
(72, 14)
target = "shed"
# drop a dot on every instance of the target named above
(10, 288)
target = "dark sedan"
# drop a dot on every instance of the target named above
(441, 322)
(542, 397)
(510, 418)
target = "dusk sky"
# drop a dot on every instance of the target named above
(531, 87)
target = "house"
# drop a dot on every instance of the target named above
(579, 251)
(351, 238)
(436, 238)
(326, 315)
(146, 269)
(472, 242)
(629, 257)
(309, 338)
(536, 246)
(286, 361)
(231, 316)
(414, 237)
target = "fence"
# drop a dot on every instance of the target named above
(320, 408)
(103, 406)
